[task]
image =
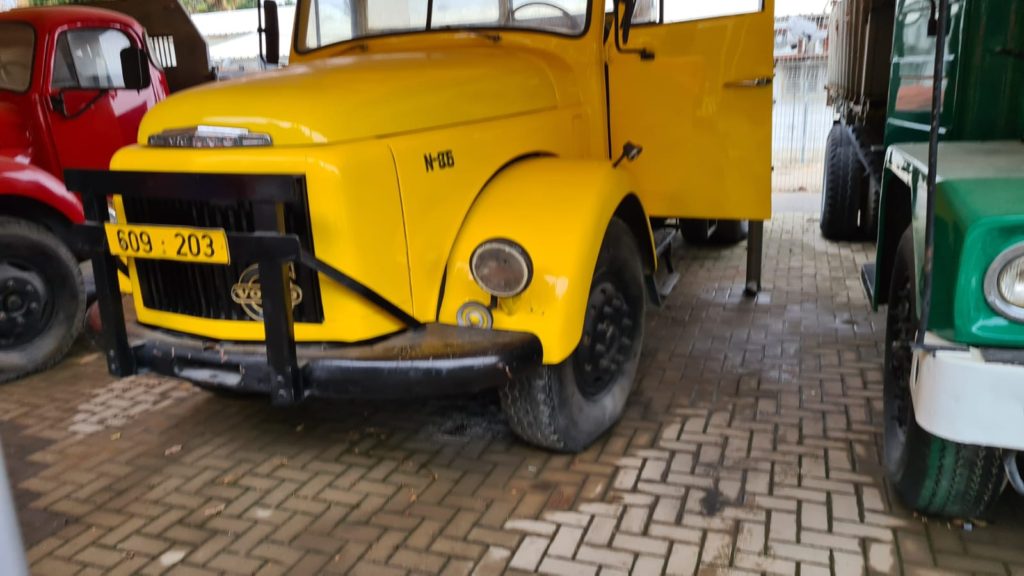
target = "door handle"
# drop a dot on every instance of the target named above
(750, 83)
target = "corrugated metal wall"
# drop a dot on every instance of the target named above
(801, 119)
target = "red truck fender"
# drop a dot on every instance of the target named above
(32, 183)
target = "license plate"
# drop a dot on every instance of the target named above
(196, 245)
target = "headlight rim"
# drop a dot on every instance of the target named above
(516, 248)
(993, 296)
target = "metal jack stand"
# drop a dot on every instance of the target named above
(755, 257)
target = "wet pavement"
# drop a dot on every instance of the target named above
(751, 445)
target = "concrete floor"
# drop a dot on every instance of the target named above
(751, 445)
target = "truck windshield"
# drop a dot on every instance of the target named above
(17, 42)
(325, 22)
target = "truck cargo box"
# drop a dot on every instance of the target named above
(860, 43)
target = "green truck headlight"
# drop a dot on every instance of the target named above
(502, 268)
(1004, 283)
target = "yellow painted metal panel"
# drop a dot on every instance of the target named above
(558, 211)
(371, 95)
(436, 197)
(700, 115)
(356, 217)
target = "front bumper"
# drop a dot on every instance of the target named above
(432, 360)
(970, 395)
(421, 360)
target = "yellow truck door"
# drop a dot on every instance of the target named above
(692, 86)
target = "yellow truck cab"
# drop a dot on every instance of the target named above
(435, 197)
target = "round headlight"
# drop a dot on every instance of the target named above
(1004, 283)
(502, 268)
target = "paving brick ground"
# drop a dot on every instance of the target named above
(750, 446)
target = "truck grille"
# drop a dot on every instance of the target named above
(203, 290)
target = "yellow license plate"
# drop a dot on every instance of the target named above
(197, 245)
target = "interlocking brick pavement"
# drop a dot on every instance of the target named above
(751, 445)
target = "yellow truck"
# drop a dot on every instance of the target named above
(436, 197)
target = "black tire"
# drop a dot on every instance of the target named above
(700, 233)
(845, 188)
(566, 407)
(32, 255)
(730, 232)
(933, 476)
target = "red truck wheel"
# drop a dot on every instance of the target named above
(42, 299)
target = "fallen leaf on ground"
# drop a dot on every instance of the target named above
(213, 510)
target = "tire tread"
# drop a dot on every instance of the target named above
(41, 234)
(843, 187)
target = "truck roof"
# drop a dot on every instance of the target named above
(47, 18)
(966, 160)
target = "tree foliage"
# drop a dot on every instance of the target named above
(194, 6)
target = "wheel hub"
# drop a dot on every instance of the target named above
(900, 333)
(902, 360)
(607, 342)
(23, 304)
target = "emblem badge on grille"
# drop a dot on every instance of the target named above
(248, 294)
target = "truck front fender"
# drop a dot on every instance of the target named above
(37, 185)
(558, 211)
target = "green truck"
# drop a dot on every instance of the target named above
(944, 188)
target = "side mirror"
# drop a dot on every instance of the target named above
(272, 32)
(135, 68)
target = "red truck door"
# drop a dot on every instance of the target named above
(91, 113)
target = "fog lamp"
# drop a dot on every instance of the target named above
(502, 268)
(1004, 283)
(475, 315)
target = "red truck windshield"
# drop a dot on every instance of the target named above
(17, 42)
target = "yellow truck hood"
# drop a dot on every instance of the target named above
(361, 96)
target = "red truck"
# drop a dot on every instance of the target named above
(74, 85)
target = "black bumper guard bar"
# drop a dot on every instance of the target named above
(269, 246)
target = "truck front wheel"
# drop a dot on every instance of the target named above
(42, 299)
(566, 407)
(931, 475)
